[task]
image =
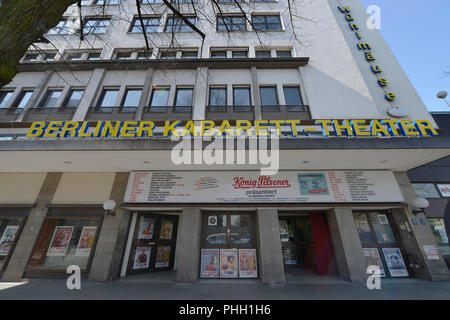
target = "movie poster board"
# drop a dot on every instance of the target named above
(162, 257)
(146, 228)
(248, 267)
(7, 239)
(60, 241)
(372, 257)
(142, 257)
(210, 263)
(395, 262)
(166, 230)
(228, 263)
(86, 241)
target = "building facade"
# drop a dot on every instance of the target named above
(92, 114)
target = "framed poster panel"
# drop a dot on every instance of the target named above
(146, 228)
(60, 241)
(142, 258)
(162, 257)
(228, 263)
(86, 241)
(372, 257)
(166, 229)
(210, 263)
(247, 263)
(7, 239)
(395, 262)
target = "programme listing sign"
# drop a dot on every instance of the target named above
(251, 187)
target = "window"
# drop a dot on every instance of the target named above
(239, 54)
(178, 25)
(292, 96)
(95, 26)
(440, 235)
(4, 97)
(50, 56)
(151, 1)
(10, 229)
(218, 54)
(51, 98)
(262, 0)
(31, 57)
(268, 96)
(425, 190)
(108, 98)
(94, 56)
(183, 97)
(151, 24)
(241, 96)
(167, 54)
(144, 55)
(231, 23)
(63, 27)
(266, 22)
(73, 98)
(284, 54)
(108, 2)
(159, 97)
(123, 55)
(23, 99)
(74, 56)
(262, 54)
(85, 2)
(189, 54)
(132, 97)
(218, 96)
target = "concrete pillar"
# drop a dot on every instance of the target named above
(92, 88)
(201, 89)
(347, 245)
(37, 93)
(420, 235)
(25, 244)
(113, 236)
(188, 245)
(145, 93)
(271, 268)
(255, 94)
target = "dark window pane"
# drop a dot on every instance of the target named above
(94, 56)
(218, 54)
(241, 96)
(217, 96)
(51, 98)
(74, 98)
(231, 23)
(132, 97)
(178, 25)
(189, 54)
(23, 99)
(168, 55)
(183, 97)
(159, 97)
(284, 54)
(292, 96)
(382, 228)
(4, 98)
(262, 54)
(269, 96)
(362, 225)
(150, 24)
(239, 54)
(109, 98)
(266, 23)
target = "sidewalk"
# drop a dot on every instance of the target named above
(224, 290)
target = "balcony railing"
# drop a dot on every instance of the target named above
(162, 113)
(111, 113)
(49, 114)
(230, 113)
(286, 112)
(9, 114)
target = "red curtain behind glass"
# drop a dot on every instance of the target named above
(323, 248)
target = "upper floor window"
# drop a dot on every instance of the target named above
(151, 24)
(175, 24)
(262, 54)
(231, 23)
(132, 97)
(108, 98)
(63, 27)
(266, 22)
(217, 96)
(144, 55)
(189, 54)
(31, 57)
(183, 97)
(51, 98)
(73, 99)
(124, 55)
(108, 2)
(151, 1)
(50, 56)
(284, 54)
(5, 95)
(167, 54)
(23, 99)
(218, 54)
(239, 54)
(94, 56)
(269, 96)
(74, 56)
(160, 97)
(292, 96)
(95, 26)
(241, 96)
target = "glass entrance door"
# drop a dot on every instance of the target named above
(380, 242)
(153, 247)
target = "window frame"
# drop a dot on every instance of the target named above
(266, 23)
(136, 24)
(46, 98)
(224, 17)
(183, 24)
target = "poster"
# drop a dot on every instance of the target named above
(312, 184)
(431, 252)
(166, 230)
(146, 228)
(162, 257)
(60, 241)
(228, 263)
(142, 257)
(86, 241)
(395, 263)
(210, 263)
(247, 263)
(444, 189)
(7, 239)
(372, 257)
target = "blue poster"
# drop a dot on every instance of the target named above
(312, 184)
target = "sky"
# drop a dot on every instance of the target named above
(418, 32)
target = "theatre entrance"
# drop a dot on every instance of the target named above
(153, 245)
(306, 244)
